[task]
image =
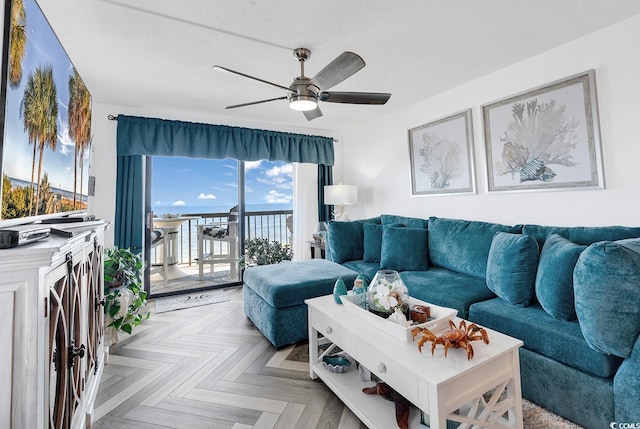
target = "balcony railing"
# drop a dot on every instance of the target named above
(271, 225)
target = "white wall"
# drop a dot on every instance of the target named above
(376, 155)
(103, 157)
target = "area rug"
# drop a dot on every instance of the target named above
(534, 417)
(191, 300)
(190, 282)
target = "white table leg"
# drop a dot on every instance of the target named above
(313, 347)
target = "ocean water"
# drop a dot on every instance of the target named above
(217, 208)
(57, 191)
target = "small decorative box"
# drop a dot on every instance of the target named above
(439, 318)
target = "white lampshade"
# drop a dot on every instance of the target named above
(340, 195)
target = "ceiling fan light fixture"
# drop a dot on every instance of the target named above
(302, 103)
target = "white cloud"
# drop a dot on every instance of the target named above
(274, 197)
(178, 203)
(250, 165)
(67, 145)
(204, 196)
(286, 169)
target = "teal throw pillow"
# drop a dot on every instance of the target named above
(463, 245)
(404, 249)
(606, 282)
(375, 220)
(409, 222)
(554, 280)
(344, 241)
(372, 242)
(511, 267)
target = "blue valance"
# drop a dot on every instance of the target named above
(161, 137)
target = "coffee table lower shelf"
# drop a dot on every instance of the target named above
(372, 410)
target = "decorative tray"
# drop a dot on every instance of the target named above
(440, 317)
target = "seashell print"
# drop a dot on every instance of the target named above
(531, 170)
(547, 174)
(536, 170)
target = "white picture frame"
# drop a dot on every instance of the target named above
(441, 156)
(547, 138)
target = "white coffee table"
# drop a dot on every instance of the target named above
(484, 391)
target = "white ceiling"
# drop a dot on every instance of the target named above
(159, 53)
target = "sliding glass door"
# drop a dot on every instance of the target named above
(201, 211)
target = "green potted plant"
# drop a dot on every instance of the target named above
(125, 298)
(261, 251)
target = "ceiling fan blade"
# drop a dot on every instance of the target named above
(255, 102)
(355, 97)
(345, 65)
(313, 114)
(227, 70)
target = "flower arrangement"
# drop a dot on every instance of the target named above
(387, 292)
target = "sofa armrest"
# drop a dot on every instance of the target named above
(626, 387)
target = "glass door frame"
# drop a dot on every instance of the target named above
(148, 214)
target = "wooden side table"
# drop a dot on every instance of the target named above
(315, 245)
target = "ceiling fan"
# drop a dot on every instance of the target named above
(304, 93)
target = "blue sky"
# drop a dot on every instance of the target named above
(43, 48)
(212, 185)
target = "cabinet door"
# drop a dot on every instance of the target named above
(77, 333)
(59, 285)
(95, 315)
(66, 340)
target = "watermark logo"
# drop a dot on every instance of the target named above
(624, 425)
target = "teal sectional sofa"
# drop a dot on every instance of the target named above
(571, 294)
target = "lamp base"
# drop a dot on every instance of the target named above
(341, 217)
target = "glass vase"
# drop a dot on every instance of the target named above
(386, 293)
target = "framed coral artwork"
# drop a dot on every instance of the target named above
(545, 138)
(441, 154)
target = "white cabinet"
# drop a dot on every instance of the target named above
(51, 330)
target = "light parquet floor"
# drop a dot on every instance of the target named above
(209, 367)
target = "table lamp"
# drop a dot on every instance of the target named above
(340, 195)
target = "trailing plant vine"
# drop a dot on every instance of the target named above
(123, 271)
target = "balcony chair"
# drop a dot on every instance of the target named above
(159, 238)
(224, 238)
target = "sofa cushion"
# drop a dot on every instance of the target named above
(606, 282)
(410, 222)
(463, 245)
(344, 241)
(583, 235)
(554, 281)
(368, 269)
(446, 288)
(404, 249)
(290, 283)
(626, 387)
(372, 242)
(372, 220)
(511, 267)
(544, 334)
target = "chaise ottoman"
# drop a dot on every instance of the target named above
(274, 295)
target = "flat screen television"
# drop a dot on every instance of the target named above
(46, 121)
